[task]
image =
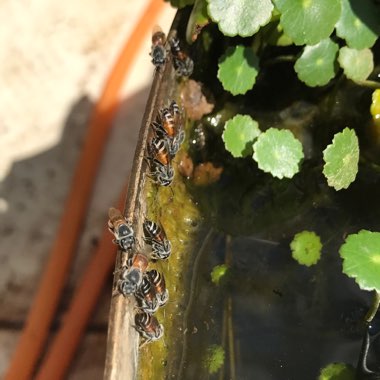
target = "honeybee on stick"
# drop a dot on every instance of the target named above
(121, 229)
(148, 327)
(147, 297)
(158, 51)
(158, 282)
(132, 275)
(182, 63)
(158, 160)
(155, 236)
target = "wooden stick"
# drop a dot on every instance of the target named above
(36, 329)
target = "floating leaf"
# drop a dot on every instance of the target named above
(316, 65)
(359, 23)
(356, 64)
(375, 105)
(214, 358)
(238, 69)
(308, 21)
(337, 371)
(240, 17)
(341, 159)
(278, 152)
(361, 259)
(218, 272)
(306, 248)
(239, 134)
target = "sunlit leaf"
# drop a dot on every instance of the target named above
(359, 23)
(308, 21)
(238, 69)
(375, 105)
(240, 17)
(306, 248)
(356, 64)
(341, 159)
(278, 152)
(316, 65)
(214, 358)
(337, 371)
(239, 134)
(361, 259)
(218, 272)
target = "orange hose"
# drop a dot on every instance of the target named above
(86, 295)
(36, 329)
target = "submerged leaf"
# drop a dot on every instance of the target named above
(341, 159)
(316, 65)
(218, 272)
(239, 134)
(308, 21)
(278, 152)
(238, 69)
(359, 23)
(240, 17)
(306, 248)
(180, 3)
(197, 21)
(214, 358)
(356, 64)
(337, 371)
(361, 259)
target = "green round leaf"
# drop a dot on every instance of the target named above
(308, 21)
(341, 159)
(359, 23)
(214, 358)
(278, 152)
(361, 259)
(306, 248)
(218, 272)
(238, 69)
(316, 65)
(337, 371)
(240, 17)
(356, 64)
(239, 134)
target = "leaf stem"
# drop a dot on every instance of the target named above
(368, 83)
(374, 307)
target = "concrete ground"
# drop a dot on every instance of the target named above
(54, 59)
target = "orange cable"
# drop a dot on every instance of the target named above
(62, 349)
(41, 314)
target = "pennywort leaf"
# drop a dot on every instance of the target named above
(359, 23)
(356, 64)
(238, 69)
(239, 134)
(375, 105)
(361, 259)
(278, 152)
(308, 21)
(341, 159)
(240, 17)
(316, 65)
(306, 248)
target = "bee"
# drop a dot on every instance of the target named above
(165, 127)
(147, 297)
(155, 236)
(132, 275)
(148, 327)
(158, 51)
(159, 162)
(123, 232)
(158, 282)
(182, 63)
